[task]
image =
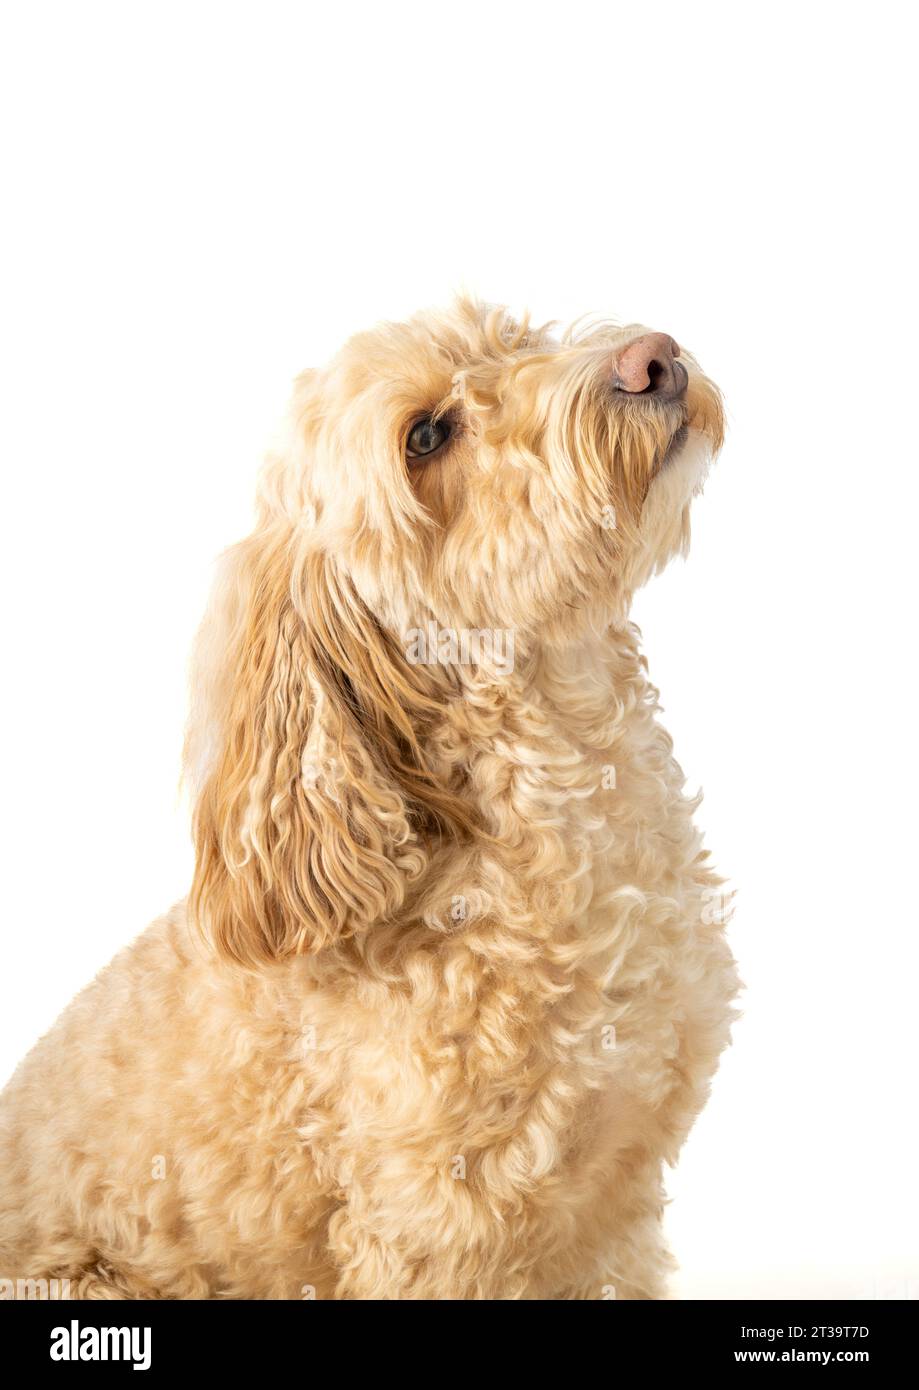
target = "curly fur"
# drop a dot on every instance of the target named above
(445, 994)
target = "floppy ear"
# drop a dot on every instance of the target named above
(315, 806)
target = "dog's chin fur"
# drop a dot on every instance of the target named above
(451, 982)
(664, 529)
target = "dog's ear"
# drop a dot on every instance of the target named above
(315, 807)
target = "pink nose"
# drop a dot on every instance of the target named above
(648, 367)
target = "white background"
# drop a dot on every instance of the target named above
(202, 199)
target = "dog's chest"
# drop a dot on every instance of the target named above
(510, 1047)
(503, 1045)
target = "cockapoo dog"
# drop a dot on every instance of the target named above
(451, 982)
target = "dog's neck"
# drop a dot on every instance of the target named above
(546, 756)
(573, 703)
(591, 686)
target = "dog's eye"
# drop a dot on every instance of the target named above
(426, 438)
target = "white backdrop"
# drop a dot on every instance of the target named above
(203, 198)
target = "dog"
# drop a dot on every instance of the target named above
(452, 978)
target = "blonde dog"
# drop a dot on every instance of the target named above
(451, 982)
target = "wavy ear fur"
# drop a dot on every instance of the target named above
(315, 802)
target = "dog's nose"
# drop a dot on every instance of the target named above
(648, 367)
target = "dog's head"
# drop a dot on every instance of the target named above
(454, 495)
